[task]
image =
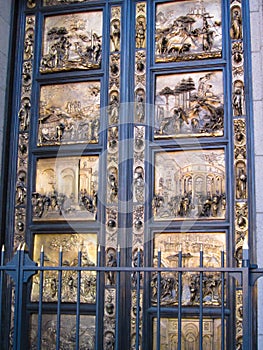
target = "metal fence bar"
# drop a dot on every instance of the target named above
(201, 301)
(40, 301)
(97, 336)
(59, 291)
(18, 305)
(180, 289)
(78, 300)
(1, 283)
(138, 301)
(118, 289)
(158, 324)
(222, 302)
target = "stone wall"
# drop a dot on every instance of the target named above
(256, 8)
(5, 22)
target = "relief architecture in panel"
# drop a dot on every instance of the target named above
(190, 334)
(72, 41)
(189, 185)
(66, 188)
(188, 30)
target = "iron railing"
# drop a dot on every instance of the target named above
(22, 273)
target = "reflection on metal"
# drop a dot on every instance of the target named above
(212, 245)
(72, 41)
(189, 185)
(71, 245)
(188, 30)
(190, 334)
(189, 105)
(69, 113)
(67, 332)
(66, 188)
(64, 2)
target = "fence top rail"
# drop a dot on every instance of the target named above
(127, 269)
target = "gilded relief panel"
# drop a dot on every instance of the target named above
(67, 332)
(211, 244)
(190, 334)
(66, 188)
(188, 105)
(69, 113)
(70, 245)
(188, 30)
(189, 185)
(72, 41)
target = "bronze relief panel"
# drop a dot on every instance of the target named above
(70, 245)
(189, 105)
(189, 185)
(212, 329)
(72, 41)
(188, 30)
(66, 188)
(69, 113)
(68, 331)
(190, 244)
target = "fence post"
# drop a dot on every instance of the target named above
(20, 276)
(247, 299)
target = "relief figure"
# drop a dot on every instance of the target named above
(236, 25)
(115, 35)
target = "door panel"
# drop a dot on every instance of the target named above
(131, 134)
